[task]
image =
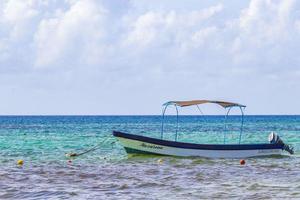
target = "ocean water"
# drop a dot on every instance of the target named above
(109, 173)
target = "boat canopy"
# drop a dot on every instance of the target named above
(224, 104)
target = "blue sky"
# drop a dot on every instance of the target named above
(129, 57)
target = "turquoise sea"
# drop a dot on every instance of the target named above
(109, 173)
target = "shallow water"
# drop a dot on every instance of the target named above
(109, 173)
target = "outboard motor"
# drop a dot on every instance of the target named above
(275, 139)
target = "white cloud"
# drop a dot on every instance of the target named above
(71, 36)
(266, 34)
(265, 22)
(18, 14)
(168, 27)
(17, 21)
(166, 48)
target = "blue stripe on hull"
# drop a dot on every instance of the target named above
(197, 146)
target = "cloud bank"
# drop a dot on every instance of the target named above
(114, 57)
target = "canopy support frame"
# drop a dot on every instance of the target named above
(225, 119)
(163, 119)
(241, 127)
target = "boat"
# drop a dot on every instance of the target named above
(139, 144)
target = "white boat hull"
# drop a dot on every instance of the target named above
(144, 147)
(139, 144)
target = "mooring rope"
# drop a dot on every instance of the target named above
(98, 146)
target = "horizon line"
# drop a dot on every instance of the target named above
(112, 115)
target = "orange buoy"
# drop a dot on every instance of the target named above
(242, 162)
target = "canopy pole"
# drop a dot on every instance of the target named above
(225, 124)
(242, 125)
(204, 119)
(162, 122)
(163, 119)
(176, 133)
(200, 110)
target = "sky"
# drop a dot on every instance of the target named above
(128, 57)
